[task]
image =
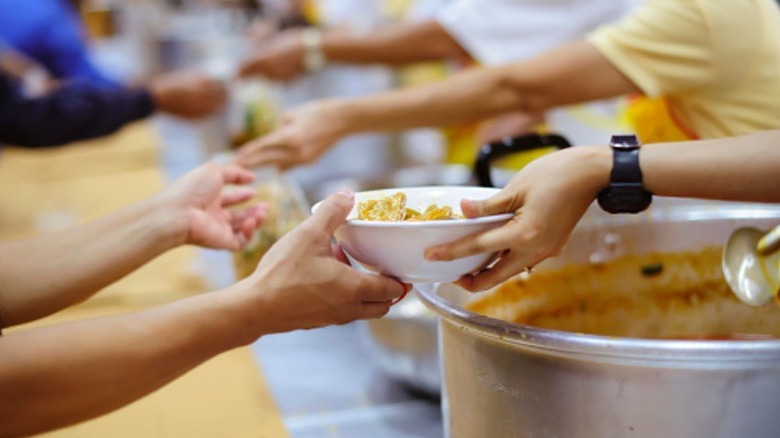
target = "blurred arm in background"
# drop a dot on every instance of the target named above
(79, 110)
(683, 65)
(282, 58)
(484, 32)
(75, 111)
(576, 72)
(51, 33)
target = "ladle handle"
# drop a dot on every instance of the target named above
(770, 242)
(511, 145)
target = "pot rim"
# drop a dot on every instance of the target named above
(599, 348)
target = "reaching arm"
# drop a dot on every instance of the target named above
(60, 375)
(74, 111)
(573, 73)
(81, 110)
(394, 45)
(282, 57)
(740, 168)
(42, 275)
(550, 195)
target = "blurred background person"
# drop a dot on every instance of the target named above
(376, 152)
(70, 112)
(51, 33)
(462, 33)
(700, 84)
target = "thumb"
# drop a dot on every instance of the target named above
(333, 211)
(497, 204)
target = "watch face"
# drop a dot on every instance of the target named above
(624, 142)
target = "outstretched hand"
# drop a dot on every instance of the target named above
(304, 135)
(200, 201)
(548, 198)
(280, 58)
(186, 94)
(308, 286)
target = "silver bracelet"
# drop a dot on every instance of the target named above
(313, 57)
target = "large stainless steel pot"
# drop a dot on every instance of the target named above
(507, 380)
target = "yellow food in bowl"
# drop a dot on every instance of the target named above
(393, 208)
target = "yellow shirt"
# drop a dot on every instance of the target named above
(715, 63)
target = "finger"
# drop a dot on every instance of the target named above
(379, 289)
(505, 268)
(282, 159)
(374, 310)
(501, 202)
(247, 228)
(255, 212)
(338, 253)
(235, 174)
(263, 151)
(223, 236)
(236, 195)
(275, 141)
(241, 242)
(407, 287)
(490, 241)
(333, 211)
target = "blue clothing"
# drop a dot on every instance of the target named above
(51, 33)
(77, 110)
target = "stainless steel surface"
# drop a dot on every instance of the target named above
(753, 277)
(404, 344)
(770, 242)
(507, 380)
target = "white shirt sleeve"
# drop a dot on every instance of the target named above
(501, 31)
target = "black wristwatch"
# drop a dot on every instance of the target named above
(625, 193)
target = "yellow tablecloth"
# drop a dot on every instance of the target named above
(55, 188)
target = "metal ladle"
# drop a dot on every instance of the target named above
(751, 264)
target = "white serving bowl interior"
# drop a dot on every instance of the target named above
(397, 248)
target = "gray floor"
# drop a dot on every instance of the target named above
(326, 386)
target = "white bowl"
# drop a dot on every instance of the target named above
(397, 248)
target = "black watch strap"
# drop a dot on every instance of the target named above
(626, 193)
(625, 167)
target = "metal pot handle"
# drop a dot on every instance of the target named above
(510, 145)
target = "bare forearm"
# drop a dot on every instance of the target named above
(394, 45)
(573, 73)
(56, 376)
(467, 97)
(737, 169)
(42, 275)
(742, 168)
